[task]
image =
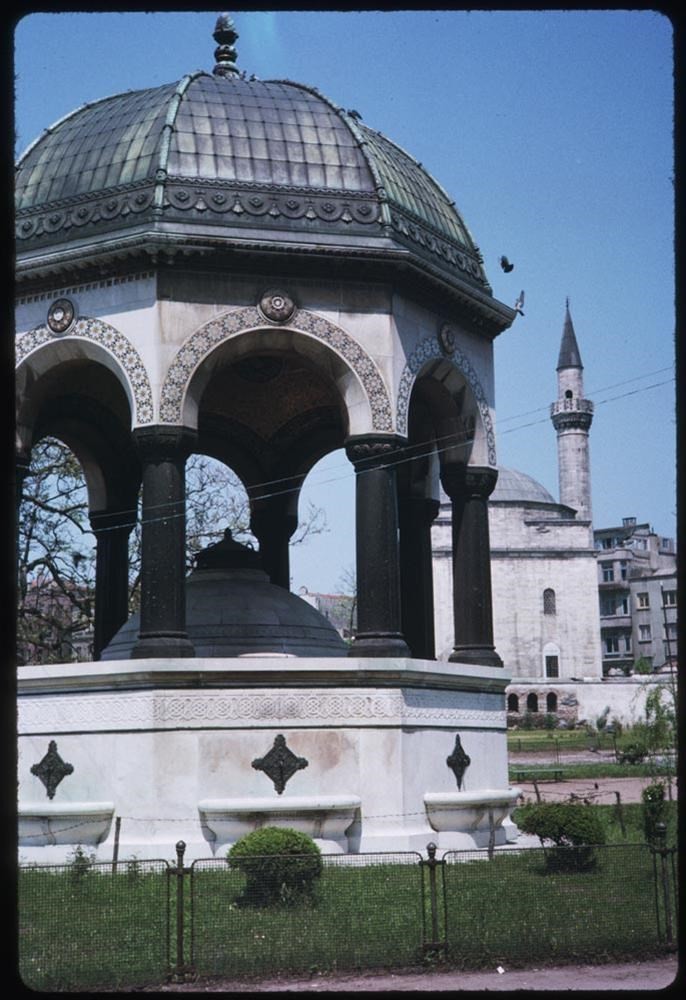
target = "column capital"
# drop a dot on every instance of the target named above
(464, 482)
(164, 441)
(373, 451)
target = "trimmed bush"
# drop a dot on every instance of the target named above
(633, 753)
(654, 810)
(281, 866)
(573, 829)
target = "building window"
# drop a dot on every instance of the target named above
(643, 600)
(608, 543)
(532, 702)
(552, 666)
(623, 570)
(512, 703)
(551, 702)
(644, 633)
(608, 572)
(627, 643)
(611, 644)
(670, 630)
(549, 601)
(669, 598)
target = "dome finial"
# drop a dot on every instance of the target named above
(225, 35)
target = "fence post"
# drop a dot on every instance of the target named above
(115, 852)
(620, 813)
(661, 848)
(435, 946)
(181, 971)
(491, 835)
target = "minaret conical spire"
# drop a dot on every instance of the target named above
(570, 356)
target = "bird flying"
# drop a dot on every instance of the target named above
(506, 266)
(520, 303)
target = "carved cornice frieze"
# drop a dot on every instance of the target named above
(169, 709)
(77, 212)
(214, 198)
(449, 253)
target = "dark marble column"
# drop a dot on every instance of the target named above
(273, 524)
(22, 464)
(416, 515)
(163, 452)
(378, 562)
(469, 488)
(111, 530)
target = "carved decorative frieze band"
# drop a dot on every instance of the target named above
(115, 343)
(200, 709)
(429, 348)
(200, 344)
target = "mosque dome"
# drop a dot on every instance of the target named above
(220, 160)
(517, 487)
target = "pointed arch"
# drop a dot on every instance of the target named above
(232, 324)
(426, 350)
(120, 356)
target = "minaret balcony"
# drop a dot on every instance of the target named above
(571, 405)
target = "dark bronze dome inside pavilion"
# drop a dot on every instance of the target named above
(236, 161)
(233, 610)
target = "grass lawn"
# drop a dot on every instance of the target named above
(104, 930)
(592, 769)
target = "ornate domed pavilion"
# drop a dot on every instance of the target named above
(242, 269)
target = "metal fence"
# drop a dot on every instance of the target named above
(91, 924)
(364, 911)
(543, 905)
(86, 925)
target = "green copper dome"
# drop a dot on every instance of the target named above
(233, 159)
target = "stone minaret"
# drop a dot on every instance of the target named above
(571, 416)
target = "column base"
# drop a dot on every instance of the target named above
(164, 645)
(485, 655)
(379, 644)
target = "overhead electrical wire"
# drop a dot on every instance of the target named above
(455, 440)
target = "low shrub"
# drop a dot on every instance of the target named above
(574, 830)
(281, 866)
(654, 809)
(633, 753)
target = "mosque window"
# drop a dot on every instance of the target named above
(569, 394)
(552, 666)
(551, 702)
(549, 601)
(532, 702)
(512, 703)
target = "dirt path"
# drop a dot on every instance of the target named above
(598, 791)
(653, 975)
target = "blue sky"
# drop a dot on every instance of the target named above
(552, 130)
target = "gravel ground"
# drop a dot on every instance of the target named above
(657, 974)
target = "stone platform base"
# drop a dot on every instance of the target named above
(356, 752)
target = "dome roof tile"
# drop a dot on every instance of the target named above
(271, 157)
